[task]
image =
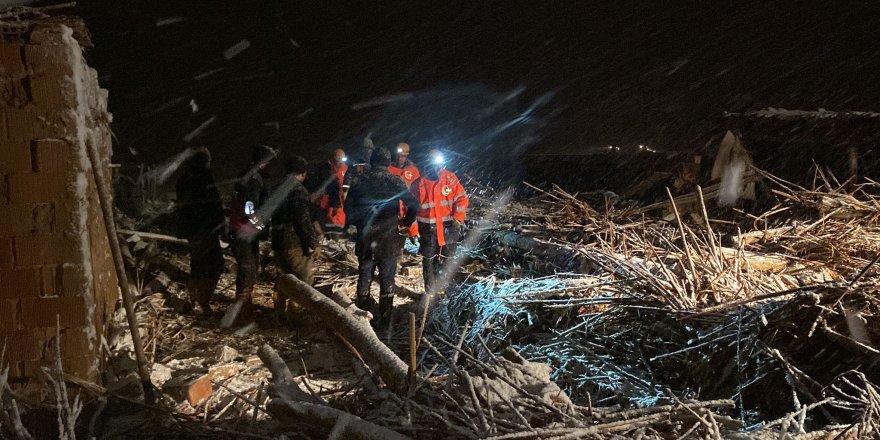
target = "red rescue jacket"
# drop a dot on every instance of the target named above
(442, 200)
(409, 173)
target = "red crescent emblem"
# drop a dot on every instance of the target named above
(407, 175)
(446, 191)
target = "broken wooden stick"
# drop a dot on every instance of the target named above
(106, 201)
(391, 369)
(292, 405)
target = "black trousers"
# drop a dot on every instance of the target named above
(205, 258)
(435, 258)
(247, 255)
(387, 272)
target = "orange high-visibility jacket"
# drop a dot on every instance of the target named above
(440, 201)
(337, 220)
(409, 173)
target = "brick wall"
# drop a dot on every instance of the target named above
(55, 262)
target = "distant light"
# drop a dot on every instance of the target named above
(344, 159)
(438, 159)
(641, 147)
(610, 147)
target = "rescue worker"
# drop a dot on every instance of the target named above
(442, 207)
(407, 171)
(200, 220)
(326, 189)
(358, 168)
(294, 241)
(373, 206)
(246, 229)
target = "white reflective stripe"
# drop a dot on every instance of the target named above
(428, 205)
(432, 221)
(458, 197)
(445, 203)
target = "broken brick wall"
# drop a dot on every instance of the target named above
(55, 260)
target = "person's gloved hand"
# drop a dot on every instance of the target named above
(459, 225)
(414, 240)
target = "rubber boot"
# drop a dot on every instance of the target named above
(386, 305)
(365, 302)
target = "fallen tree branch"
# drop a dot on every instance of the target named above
(285, 408)
(391, 369)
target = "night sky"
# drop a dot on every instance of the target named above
(501, 77)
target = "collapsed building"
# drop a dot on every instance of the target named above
(637, 307)
(57, 282)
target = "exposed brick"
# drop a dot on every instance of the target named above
(11, 61)
(33, 122)
(50, 155)
(42, 312)
(75, 342)
(13, 92)
(38, 250)
(16, 220)
(4, 189)
(199, 390)
(20, 124)
(37, 187)
(7, 259)
(43, 216)
(219, 373)
(23, 345)
(8, 315)
(49, 60)
(15, 157)
(73, 278)
(23, 283)
(52, 93)
(50, 280)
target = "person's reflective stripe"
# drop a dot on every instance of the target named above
(428, 205)
(445, 203)
(458, 197)
(432, 221)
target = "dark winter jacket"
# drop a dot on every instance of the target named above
(373, 205)
(199, 213)
(291, 221)
(248, 188)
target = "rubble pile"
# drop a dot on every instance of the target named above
(775, 312)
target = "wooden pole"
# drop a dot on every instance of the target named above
(105, 200)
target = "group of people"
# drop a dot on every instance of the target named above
(385, 199)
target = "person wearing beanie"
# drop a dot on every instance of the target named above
(199, 219)
(294, 240)
(373, 206)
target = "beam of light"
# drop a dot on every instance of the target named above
(163, 172)
(473, 237)
(381, 100)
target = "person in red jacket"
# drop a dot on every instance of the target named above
(326, 188)
(442, 208)
(407, 171)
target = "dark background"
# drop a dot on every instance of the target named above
(490, 79)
